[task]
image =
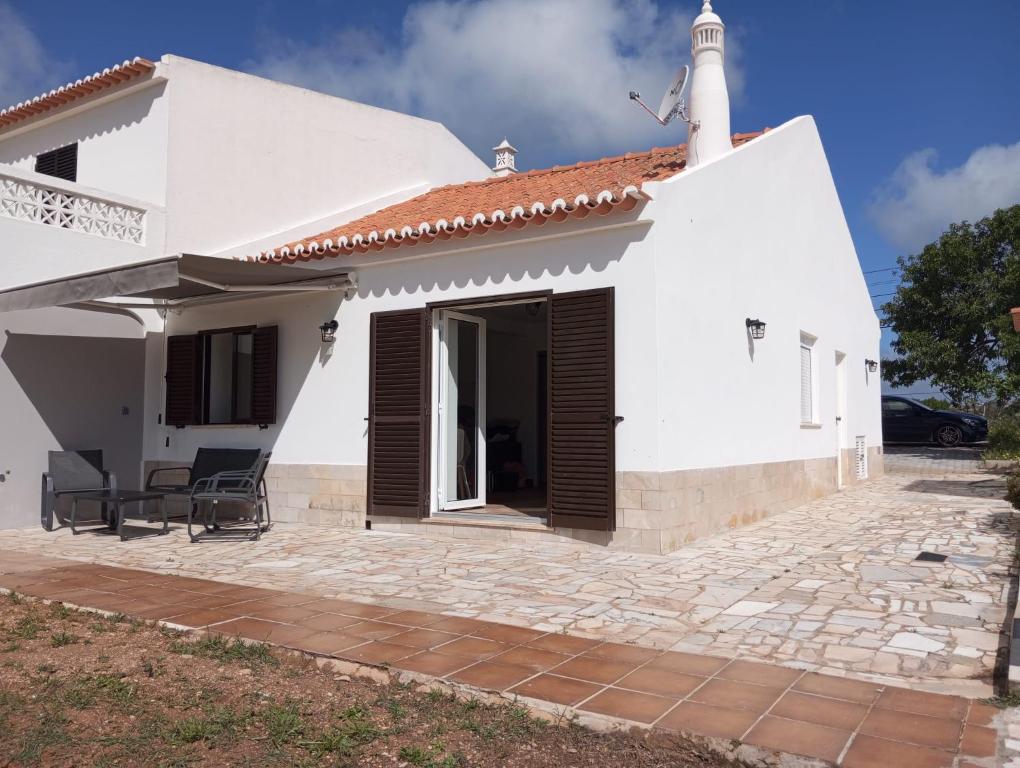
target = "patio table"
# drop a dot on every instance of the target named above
(116, 500)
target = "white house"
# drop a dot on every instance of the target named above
(632, 352)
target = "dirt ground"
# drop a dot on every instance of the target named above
(78, 689)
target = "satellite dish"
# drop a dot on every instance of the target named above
(672, 101)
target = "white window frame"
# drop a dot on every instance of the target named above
(808, 342)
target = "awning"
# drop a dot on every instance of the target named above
(171, 281)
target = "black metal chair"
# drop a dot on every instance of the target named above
(208, 462)
(245, 487)
(73, 472)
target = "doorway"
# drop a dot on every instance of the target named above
(492, 393)
(841, 427)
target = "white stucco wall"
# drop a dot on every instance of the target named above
(69, 380)
(250, 157)
(758, 233)
(122, 142)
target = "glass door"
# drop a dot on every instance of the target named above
(462, 477)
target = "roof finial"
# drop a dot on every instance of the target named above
(707, 7)
(505, 153)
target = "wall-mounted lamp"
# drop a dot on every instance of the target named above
(872, 365)
(328, 330)
(756, 327)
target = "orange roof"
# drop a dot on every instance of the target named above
(497, 204)
(79, 89)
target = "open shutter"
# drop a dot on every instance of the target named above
(582, 464)
(263, 375)
(398, 414)
(183, 364)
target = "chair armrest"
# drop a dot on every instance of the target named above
(240, 481)
(152, 474)
(110, 481)
(47, 483)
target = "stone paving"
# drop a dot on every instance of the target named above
(935, 460)
(832, 586)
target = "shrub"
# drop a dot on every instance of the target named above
(1013, 489)
(1004, 438)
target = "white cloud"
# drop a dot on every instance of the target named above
(26, 67)
(919, 201)
(553, 75)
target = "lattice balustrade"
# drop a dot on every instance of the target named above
(31, 202)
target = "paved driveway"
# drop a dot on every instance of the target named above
(831, 586)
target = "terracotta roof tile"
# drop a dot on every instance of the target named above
(500, 203)
(79, 89)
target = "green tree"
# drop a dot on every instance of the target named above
(951, 312)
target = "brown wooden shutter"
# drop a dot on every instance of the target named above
(398, 414)
(183, 363)
(582, 464)
(263, 375)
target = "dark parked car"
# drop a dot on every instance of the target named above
(908, 421)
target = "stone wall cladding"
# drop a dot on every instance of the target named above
(327, 494)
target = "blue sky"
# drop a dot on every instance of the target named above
(917, 100)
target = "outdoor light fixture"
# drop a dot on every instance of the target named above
(756, 327)
(872, 365)
(328, 330)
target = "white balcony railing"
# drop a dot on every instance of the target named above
(30, 201)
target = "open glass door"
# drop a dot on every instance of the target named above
(462, 477)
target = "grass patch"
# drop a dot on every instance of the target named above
(212, 724)
(225, 649)
(85, 692)
(49, 732)
(283, 723)
(432, 757)
(1011, 699)
(27, 628)
(60, 610)
(354, 730)
(60, 639)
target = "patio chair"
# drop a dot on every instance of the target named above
(208, 462)
(245, 487)
(73, 472)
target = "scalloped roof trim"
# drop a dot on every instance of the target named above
(599, 187)
(79, 89)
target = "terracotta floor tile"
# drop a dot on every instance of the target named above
(328, 642)
(365, 611)
(290, 614)
(869, 752)
(434, 663)
(328, 605)
(833, 713)
(799, 738)
(414, 618)
(923, 703)
(211, 602)
(203, 618)
(280, 598)
(838, 688)
(327, 622)
(559, 690)
(251, 629)
(374, 630)
(163, 612)
(422, 638)
(737, 695)
(688, 663)
(981, 713)
(80, 597)
(492, 676)
(706, 720)
(913, 729)
(661, 682)
(532, 658)
(475, 647)
(632, 654)
(759, 674)
(629, 705)
(457, 624)
(289, 635)
(377, 652)
(562, 644)
(594, 670)
(506, 633)
(978, 741)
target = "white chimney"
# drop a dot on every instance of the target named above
(708, 133)
(505, 163)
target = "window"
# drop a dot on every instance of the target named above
(224, 376)
(897, 408)
(808, 385)
(62, 162)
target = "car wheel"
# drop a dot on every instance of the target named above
(949, 435)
